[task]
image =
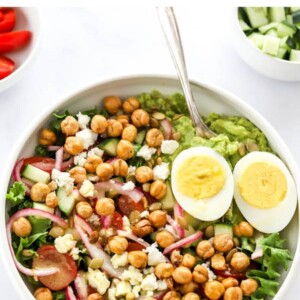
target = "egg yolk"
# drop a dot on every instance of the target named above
(200, 177)
(263, 185)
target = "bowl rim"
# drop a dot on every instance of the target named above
(259, 51)
(229, 98)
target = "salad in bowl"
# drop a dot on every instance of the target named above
(124, 201)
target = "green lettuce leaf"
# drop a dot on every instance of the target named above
(16, 193)
(60, 295)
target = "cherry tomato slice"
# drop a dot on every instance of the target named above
(117, 221)
(127, 205)
(48, 256)
(44, 163)
(134, 246)
(7, 66)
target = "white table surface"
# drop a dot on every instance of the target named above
(80, 45)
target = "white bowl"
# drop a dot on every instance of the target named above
(263, 63)
(27, 18)
(209, 99)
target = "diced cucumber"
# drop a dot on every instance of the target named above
(168, 201)
(35, 174)
(295, 55)
(244, 25)
(195, 223)
(281, 52)
(266, 28)
(42, 206)
(66, 202)
(296, 17)
(136, 148)
(289, 19)
(256, 16)
(291, 43)
(109, 146)
(222, 228)
(257, 39)
(277, 14)
(283, 43)
(140, 137)
(272, 32)
(265, 9)
(295, 8)
(271, 45)
(286, 29)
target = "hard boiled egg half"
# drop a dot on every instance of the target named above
(202, 183)
(264, 191)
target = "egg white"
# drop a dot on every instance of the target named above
(208, 209)
(267, 220)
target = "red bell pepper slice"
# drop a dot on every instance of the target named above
(6, 66)
(11, 41)
(7, 19)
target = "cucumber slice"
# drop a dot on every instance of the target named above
(283, 43)
(277, 14)
(295, 55)
(257, 39)
(264, 29)
(109, 146)
(281, 52)
(289, 19)
(295, 8)
(140, 137)
(271, 45)
(168, 201)
(66, 202)
(285, 29)
(272, 32)
(244, 25)
(222, 228)
(43, 207)
(195, 223)
(296, 17)
(256, 16)
(291, 43)
(35, 174)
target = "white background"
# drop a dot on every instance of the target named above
(80, 45)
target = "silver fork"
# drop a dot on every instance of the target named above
(171, 32)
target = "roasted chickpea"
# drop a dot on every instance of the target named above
(39, 192)
(249, 286)
(158, 189)
(78, 174)
(56, 231)
(123, 119)
(223, 242)
(69, 126)
(188, 260)
(105, 171)
(158, 218)
(176, 257)
(164, 238)
(200, 274)
(191, 296)
(143, 174)
(243, 229)
(171, 295)
(154, 137)
(130, 105)
(188, 287)
(21, 227)
(138, 259)
(205, 249)
(43, 294)
(218, 262)
(105, 207)
(140, 118)
(142, 228)
(182, 275)
(125, 150)
(120, 167)
(47, 137)
(114, 128)
(163, 270)
(95, 296)
(129, 133)
(51, 200)
(214, 290)
(73, 145)
(240, 261)
(92, 162)
(99, 124)
(117, 244)
(230, 282)
(131, 296)
(84, 209)
(112, 104)
(233, 293)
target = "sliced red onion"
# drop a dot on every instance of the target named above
(83, 224)
(167, 127)
(26, 213)
(81, 286)
(17, 175)
(258, 252)
(178, 211)
(110, 161)
(70, 293)
(53, 148)
(178, 229)
(106, 221)
(188, 240)
(59, 158)
(66, 164)
(133, 237)
(105, 186)
(95, 250)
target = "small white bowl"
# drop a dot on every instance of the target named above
(27, 18)
(263, 63)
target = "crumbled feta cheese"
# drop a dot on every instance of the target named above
(119, 260)
(98, 280)
(87, 189)
(107, 232)
(83, 120)
(211, 274)
(65, 243)
(80, 159)
(154, 255)
(171, 230)
(128, 186)
(75, 253)
(87, 137)
(169, 146)
(148, 271)
(136, 290)
(126, 224)
(131, 170)
(145, 214)
(112, 294)
(94, 220)
(149, 283)
(133, 275)
(122, 288)
(146, 152)
(162, 285)
(62, 178)
(95, 151)
(93, 177)
(161, 172)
